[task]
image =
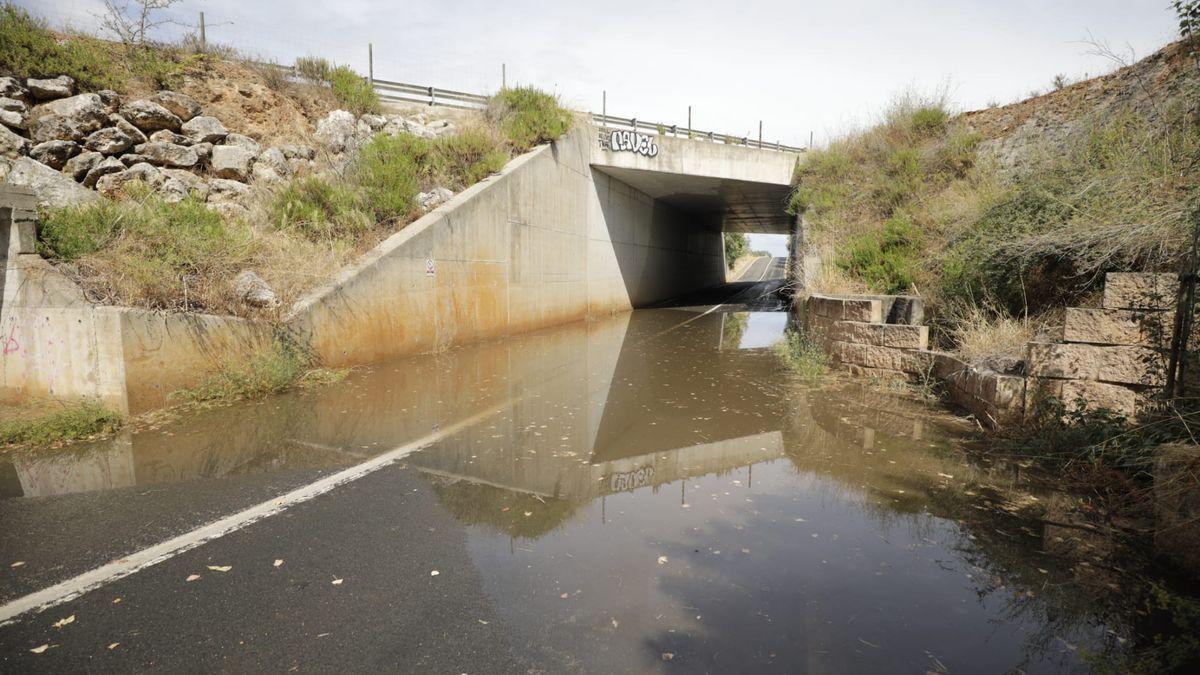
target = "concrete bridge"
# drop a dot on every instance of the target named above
(597, 222)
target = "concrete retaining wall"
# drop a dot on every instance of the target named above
(547, 241)
(58, 345)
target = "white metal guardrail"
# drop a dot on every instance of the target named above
(404, 92)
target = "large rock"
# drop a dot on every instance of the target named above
(204, 129)
(172, 190)
(55, 87)
(167, 136)
(11, 87)
(55, 128)
(181, 105)
(272, 166)
(115, 183)
(225, 190)
(203, 151)
(12, 118)
(13, 105)
(195, 185)
(110, 99)
(336, 131)
(434, 198)
(12, 145)
(54, 154)
(131, 158)
(232, 162)
(253, 290)
(85, 111)
(108, 141)
(168, 154)
(150, 116)
(244, 142)
(128, 129)
(298, 152)
(105, 167)
(78, 166)
(51, 187)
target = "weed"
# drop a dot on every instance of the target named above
(313, 68)
(885, 260)
(929, 120)
(353, 91)
(528, 116)
(271, 371)
(68, 421)
(320, 209)
(802, 353)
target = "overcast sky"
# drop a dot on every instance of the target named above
(800, 66)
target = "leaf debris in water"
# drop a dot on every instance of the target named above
(220, 568)
(193, 577)
(277, 562)
(336, 582)
(39, 650)
(62, 622)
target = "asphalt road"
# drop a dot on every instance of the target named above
(757, 289)
(764, 269)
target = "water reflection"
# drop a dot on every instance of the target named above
(649, 490)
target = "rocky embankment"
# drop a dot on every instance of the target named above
(71, 147)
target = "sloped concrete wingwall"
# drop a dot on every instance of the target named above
(544, 242)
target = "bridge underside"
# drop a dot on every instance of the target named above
(733, 205)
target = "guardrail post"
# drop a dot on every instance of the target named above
(689, 121)
(432, 97)
(203, 38)
(760, 134)
(633, 123)
(371, 64)
(504, 76)
(604, 107)
(674, 130)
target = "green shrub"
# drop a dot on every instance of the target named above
(463, 159)
(353, 91)
(528, 116)
(269, 372)
(802, 353)
(388, 169)
(320, 210)
(75, 231)
(313, 68)
(29, 49)
(929, 120)
(143, 251)
(71, 421)
(886, 259)
(736, 246)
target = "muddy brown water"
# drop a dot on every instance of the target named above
(653, 491)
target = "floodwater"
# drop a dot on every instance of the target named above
(652, 491)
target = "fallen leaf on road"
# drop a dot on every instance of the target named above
(667, 656)
(746, 551)
(662, 560)
(336, 582)
(277, 563)
(614, 623)
(114, 645)
(528, 513)
(434, 573)
(62, 622)
(116, 601)
(220, 568)
(18, 563)
(482, 621)
(564, 596)
(193, 577)
(39, 650)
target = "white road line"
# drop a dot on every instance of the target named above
(770, 261)
(127, 565)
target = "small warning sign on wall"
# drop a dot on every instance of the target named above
(429, 268)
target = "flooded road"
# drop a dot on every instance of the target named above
(648, 492)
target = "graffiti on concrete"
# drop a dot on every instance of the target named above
(629, 141)
(630, 480)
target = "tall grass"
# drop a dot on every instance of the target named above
(802, 353)
(271, 371)
(62, 422)
(528, 116)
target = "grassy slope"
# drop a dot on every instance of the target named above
(1015, 211)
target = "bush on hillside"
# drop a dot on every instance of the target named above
(886, 259)
(28, 48)
(147, 252)
(528, 116)
(736, 246)
(320, 210)
(353, 91)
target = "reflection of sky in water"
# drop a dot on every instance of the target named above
(763, 329)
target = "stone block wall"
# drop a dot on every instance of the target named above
(1111, 357)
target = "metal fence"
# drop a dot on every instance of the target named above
(404, 92)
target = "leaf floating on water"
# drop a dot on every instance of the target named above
(277, 563)
(434, 573)
(39, 650)
(614, 623)
(336, 582)
(483, 622)
(17, 563)
(564, 596)
(220, 568)
(193, 577)
(667, 656)
(116, 601)
(528, 513)
(62, 622)
(662, 560)
(114, 645)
